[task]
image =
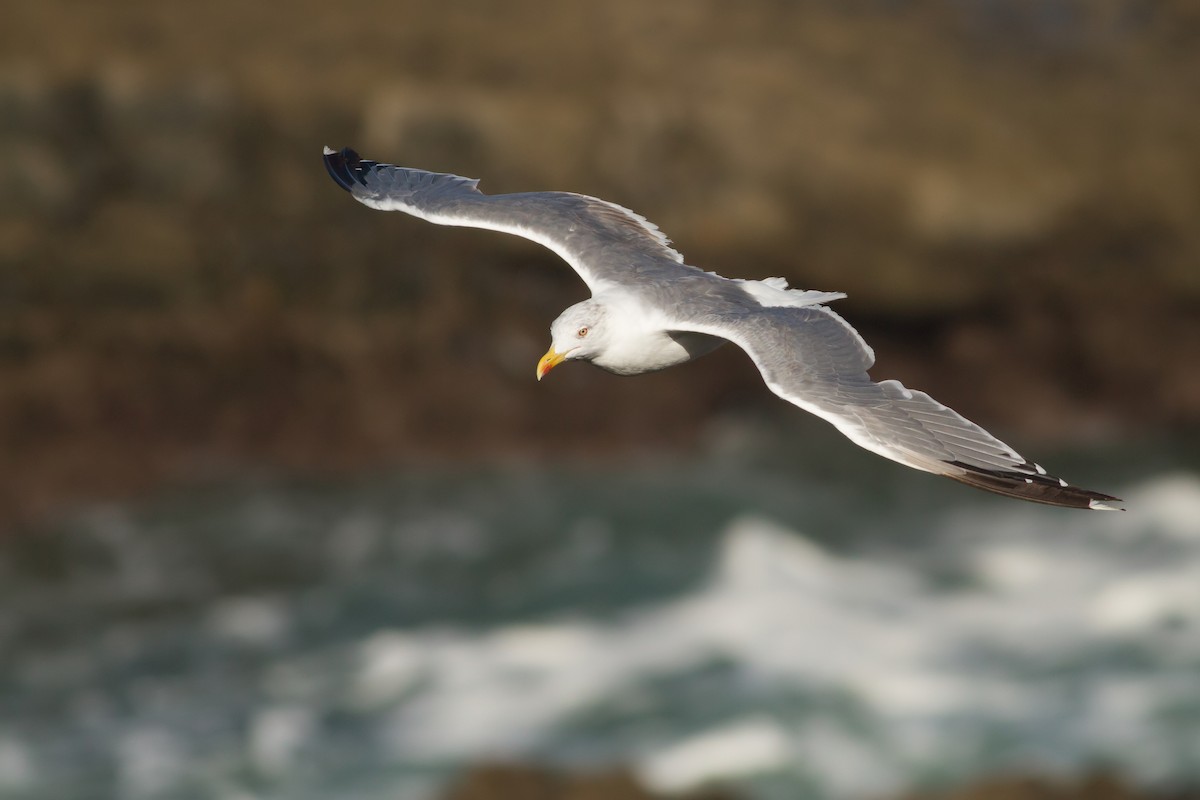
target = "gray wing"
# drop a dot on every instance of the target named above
(813, 358)
(605, 243)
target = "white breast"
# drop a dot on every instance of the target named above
(634, 354)
(640, 340)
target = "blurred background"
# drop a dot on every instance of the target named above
(283, 513)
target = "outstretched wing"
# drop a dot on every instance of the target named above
(605, 243)
(813, 358)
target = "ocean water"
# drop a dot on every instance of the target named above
(754, 614)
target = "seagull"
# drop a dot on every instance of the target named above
(649, 310)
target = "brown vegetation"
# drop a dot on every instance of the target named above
(514, 782)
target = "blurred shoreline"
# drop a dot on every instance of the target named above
(530, 782)
(1008, 197)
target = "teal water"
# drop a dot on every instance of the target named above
(756, 614)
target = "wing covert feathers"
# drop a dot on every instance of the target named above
(605, 243)
(814, 359)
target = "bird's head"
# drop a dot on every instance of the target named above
(578, 334)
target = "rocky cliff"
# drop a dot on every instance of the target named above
(1008, 191)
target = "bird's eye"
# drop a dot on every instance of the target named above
(582, 332)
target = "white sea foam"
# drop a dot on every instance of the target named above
(868, 625)
(846, 763)
(152, 759)
(390, 664)
(744, 746)
(259, 621)
(1168, 505)
(1023, 636)
(1148, 598)
(16, 764)
(277, 736)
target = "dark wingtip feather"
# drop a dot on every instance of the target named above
(1034, 488)
(344, 166)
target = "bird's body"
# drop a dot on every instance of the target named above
(649, 310)
(646, 343)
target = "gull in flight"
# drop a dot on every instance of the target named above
(649, 310)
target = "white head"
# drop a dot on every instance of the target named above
(579, 333)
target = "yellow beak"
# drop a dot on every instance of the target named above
(549, 361)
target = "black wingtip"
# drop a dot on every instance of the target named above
(1039, 488)
(344, 166)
